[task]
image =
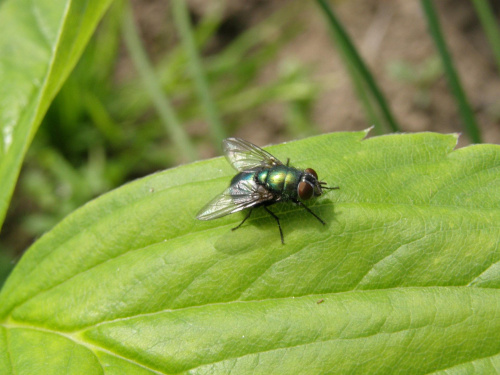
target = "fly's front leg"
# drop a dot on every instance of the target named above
(309, 210)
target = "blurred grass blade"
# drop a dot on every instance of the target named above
(490, 26)
(468, 119)
(181, 18)
(40, 43)
(371, 113)
(151, 82)
(352, 58)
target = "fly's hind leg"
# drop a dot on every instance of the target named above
(245, 219)
(278, 221)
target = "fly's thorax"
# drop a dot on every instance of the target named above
(281, 180)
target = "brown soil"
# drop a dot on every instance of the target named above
(384, 32)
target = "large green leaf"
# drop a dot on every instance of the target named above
(403, 278)
(40, 42)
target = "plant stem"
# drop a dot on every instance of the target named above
(352, 58)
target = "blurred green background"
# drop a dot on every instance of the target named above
(162, 83)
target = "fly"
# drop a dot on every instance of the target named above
(262, 180)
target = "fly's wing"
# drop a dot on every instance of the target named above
(237, 197)
(243, 155)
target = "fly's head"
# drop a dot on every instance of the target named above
(310, 186)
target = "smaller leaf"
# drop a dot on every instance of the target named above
(40, 42)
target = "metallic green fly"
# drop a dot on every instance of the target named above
(262, 181)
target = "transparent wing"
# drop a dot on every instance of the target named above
(243, 155)
(235, 198)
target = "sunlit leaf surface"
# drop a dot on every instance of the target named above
(403, 278)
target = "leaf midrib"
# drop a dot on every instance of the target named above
(74, 336)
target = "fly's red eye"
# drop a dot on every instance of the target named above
(305, 190)
(313, 172)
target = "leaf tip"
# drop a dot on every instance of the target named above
(368, 130)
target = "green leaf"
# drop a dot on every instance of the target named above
(402, 279)
(40, 42)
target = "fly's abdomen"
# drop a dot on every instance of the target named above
(242, 186)
(242, 176)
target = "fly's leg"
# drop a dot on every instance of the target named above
(309, 210)
(245, 219)
(278, 221)
(287, 161)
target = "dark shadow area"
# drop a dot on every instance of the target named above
(261, 228)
